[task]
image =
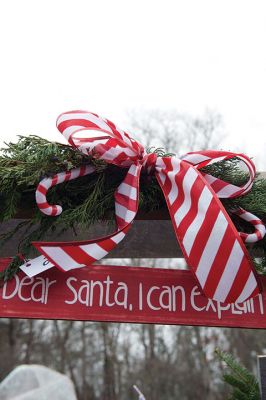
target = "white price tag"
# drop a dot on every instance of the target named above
(36, 266)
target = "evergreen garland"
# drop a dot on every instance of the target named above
(245, 385)
(91, 198)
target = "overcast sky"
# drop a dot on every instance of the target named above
(112, 56)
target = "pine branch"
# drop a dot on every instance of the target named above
(245, 385)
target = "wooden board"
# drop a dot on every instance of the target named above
(123, 294)
(146, 239)
(151, 236)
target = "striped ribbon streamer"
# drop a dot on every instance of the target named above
(211, 245)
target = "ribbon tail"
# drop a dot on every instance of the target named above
(210, 242)
(71, 255)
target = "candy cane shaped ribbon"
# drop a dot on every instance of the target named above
(211, 245)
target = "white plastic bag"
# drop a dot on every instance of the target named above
(32, 382)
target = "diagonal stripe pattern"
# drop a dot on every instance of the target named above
(211, 245)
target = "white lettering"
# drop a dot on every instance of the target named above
(124, 290)
(168, 295)
(4, 295)
(210, 304)
(140, 297)
(183, 297)
(239, 308)
(26, 281)
(100, 285)
(73, 290)
(261, 303)
(152, 289)
(108, 282)
(222, 307)
(86, 288)
(40, 283)
(195, 292)
(48, 284)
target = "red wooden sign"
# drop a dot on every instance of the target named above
(123, 294)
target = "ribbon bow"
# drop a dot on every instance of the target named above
(210, 243)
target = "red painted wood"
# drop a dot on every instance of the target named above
(123, 294)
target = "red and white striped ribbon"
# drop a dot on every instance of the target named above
(222, 189)
(211, 245)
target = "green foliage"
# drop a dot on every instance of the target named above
(91, 198)
(12, 269)
(244, 384)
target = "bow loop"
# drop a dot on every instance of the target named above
(201, 159)
(99, 137)
(210, 242)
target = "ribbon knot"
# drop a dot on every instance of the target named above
(210, 243)
(149, 162)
